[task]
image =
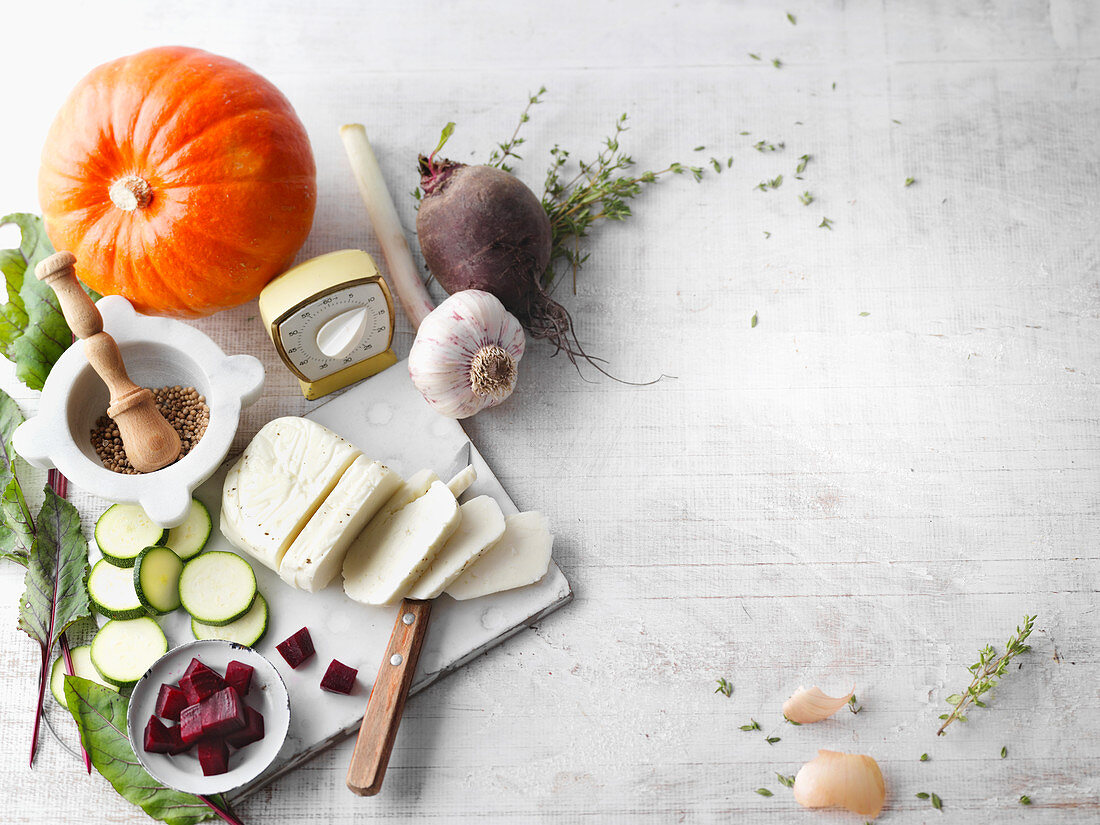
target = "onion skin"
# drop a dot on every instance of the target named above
(481, 228)
(812, 705)
(841, 780)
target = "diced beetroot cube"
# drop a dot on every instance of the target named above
(253, 731)
(170, 701)
(201, 684)
(239, 676)
(297, 648)
(158, 737)
(213, 756)
(177, 745)
(195, 666)
(191, 724)
(222, 713)
(339, 678)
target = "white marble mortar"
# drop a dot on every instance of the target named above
(157, 352)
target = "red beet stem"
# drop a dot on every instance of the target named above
(224, 814)
(435, 174)
(69, 670)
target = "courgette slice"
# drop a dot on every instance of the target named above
(123, 650)
(157, 579)
(112, 591)
(247, 630)
(190, 538)
(124, 531)
(217, 587)
(82, 667)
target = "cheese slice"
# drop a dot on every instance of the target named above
(317, 554)
(279, 482)
(521, 557)
(481, 527)
(398, 544)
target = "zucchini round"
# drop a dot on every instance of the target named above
(82, 667)
(112, 591)
(190, 538)
(124, 531)
(157, 579)
(217, 587)
(247, 630)
(123, 650)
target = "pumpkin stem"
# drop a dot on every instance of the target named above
(130, 193)
(493, 372)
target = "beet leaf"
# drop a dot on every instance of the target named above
(100, 715)
(56, 593)
(16, 528)
(33, 332)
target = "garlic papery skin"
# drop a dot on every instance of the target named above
(812, 705)
(466, 354)
(841, 780)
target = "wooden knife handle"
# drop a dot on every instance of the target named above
(387, 699)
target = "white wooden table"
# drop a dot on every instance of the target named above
(895, 465)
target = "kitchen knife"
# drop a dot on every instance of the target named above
(378, 731)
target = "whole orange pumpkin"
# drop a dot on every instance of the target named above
(179, 179)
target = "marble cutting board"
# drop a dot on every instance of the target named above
(386, 418)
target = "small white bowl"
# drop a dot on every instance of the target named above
(157, 352)
(267, 694)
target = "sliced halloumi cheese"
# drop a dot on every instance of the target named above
(278, 483)
(398, 544)
(481, 527)
(462, 480)
(521, 557)
(317, 554)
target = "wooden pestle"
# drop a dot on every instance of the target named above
(150, 441)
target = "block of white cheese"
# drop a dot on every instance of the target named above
(317, 554)
(278, 483)
(521, 557)
(398, 544)
(481, 527)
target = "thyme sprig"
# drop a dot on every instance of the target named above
(986, 672)
(599, 191)
(508, 149)
(724, 687)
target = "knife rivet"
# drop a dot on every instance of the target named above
(396, 659)
(408, 618)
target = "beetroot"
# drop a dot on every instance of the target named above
(191, 724)
(297, 648)
(158, 737)
(194, 666)
(253, 731)
(170, 702)
(201, 683)
(222, 713)
(339, 678)
(239, 676)
(213, 757)
(480, 227)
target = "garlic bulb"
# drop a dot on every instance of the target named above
(466, 354)
(841, 780)
(812, 705)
